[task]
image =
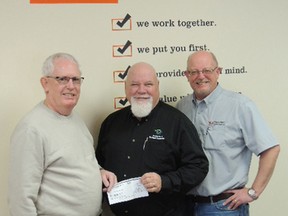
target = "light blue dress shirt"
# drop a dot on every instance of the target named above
(231, 129)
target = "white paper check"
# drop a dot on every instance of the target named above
(126, 190)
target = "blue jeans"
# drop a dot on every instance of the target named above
(217, 209)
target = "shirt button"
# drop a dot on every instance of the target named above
(125, 175)
(133, 140)
(126, 211)
(128, 157)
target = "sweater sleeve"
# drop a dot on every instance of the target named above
(26, 169)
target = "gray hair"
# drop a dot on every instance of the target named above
(48, 65)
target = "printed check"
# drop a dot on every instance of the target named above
(126, 190)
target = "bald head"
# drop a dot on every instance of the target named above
(202, 56)
(140, 69)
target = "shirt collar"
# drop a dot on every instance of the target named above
(211, 97)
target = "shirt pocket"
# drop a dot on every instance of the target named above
(215, 137)
(158, 155)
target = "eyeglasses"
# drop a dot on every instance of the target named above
(205, 71)
(64, 80)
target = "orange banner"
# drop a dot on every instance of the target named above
(72, 1)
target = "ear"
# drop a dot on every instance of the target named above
(44, 83)
(187, 74)
(219, 70)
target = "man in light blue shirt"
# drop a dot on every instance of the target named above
(231, 130)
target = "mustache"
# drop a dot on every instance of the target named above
(142, 97)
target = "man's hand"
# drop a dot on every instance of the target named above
(109, 179)
(152, 182)
(239, 197)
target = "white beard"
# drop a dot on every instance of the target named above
(141, 109)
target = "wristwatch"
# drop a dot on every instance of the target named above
(252, 193)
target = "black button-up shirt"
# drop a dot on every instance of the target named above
(165, 142)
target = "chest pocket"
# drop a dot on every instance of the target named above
(158, 155)
(214, 139)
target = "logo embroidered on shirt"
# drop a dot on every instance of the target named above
(212, 124)
(158, 135)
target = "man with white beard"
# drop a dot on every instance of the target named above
(154, 141)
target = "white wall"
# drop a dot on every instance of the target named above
(249, 34)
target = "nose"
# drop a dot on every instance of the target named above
(70, 83)
(142, 89)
